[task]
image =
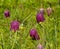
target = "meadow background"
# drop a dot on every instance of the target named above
(25, 11)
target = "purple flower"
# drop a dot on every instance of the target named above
(41, 10)
(34, 35)
(7, 13)
(40, 46)
(49, 11)
(40, 17)
(15, 25)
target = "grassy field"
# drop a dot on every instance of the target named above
(25, 12)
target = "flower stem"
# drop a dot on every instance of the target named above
(2, 41)
(55, 27)
(14, 40)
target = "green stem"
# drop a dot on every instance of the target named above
(1, 44)
(2, 41)
(26, 17)
(10, 37)
(55, 32)
(44, 36)
(55, 36)
(47, 32)
(14, 40)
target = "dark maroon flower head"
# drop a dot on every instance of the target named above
(7, 13)
(34, 35)
(40, 17)
(49, 11)
(41, 10)
(15, 25)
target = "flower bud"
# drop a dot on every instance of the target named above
(49, 11)
(40, 46)
(15, 25)
(34, 35)
(7, 13)
(40, 17)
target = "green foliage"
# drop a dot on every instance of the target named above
(25, 11)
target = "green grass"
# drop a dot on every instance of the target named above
(25, 11)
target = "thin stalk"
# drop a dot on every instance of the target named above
(41, 3)
(10, 37)
(55, 35)
(2, 41)
(47, 32)
(14, 41)
(55, 27)
(44, 38)
(26, 17)
(1, 45)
